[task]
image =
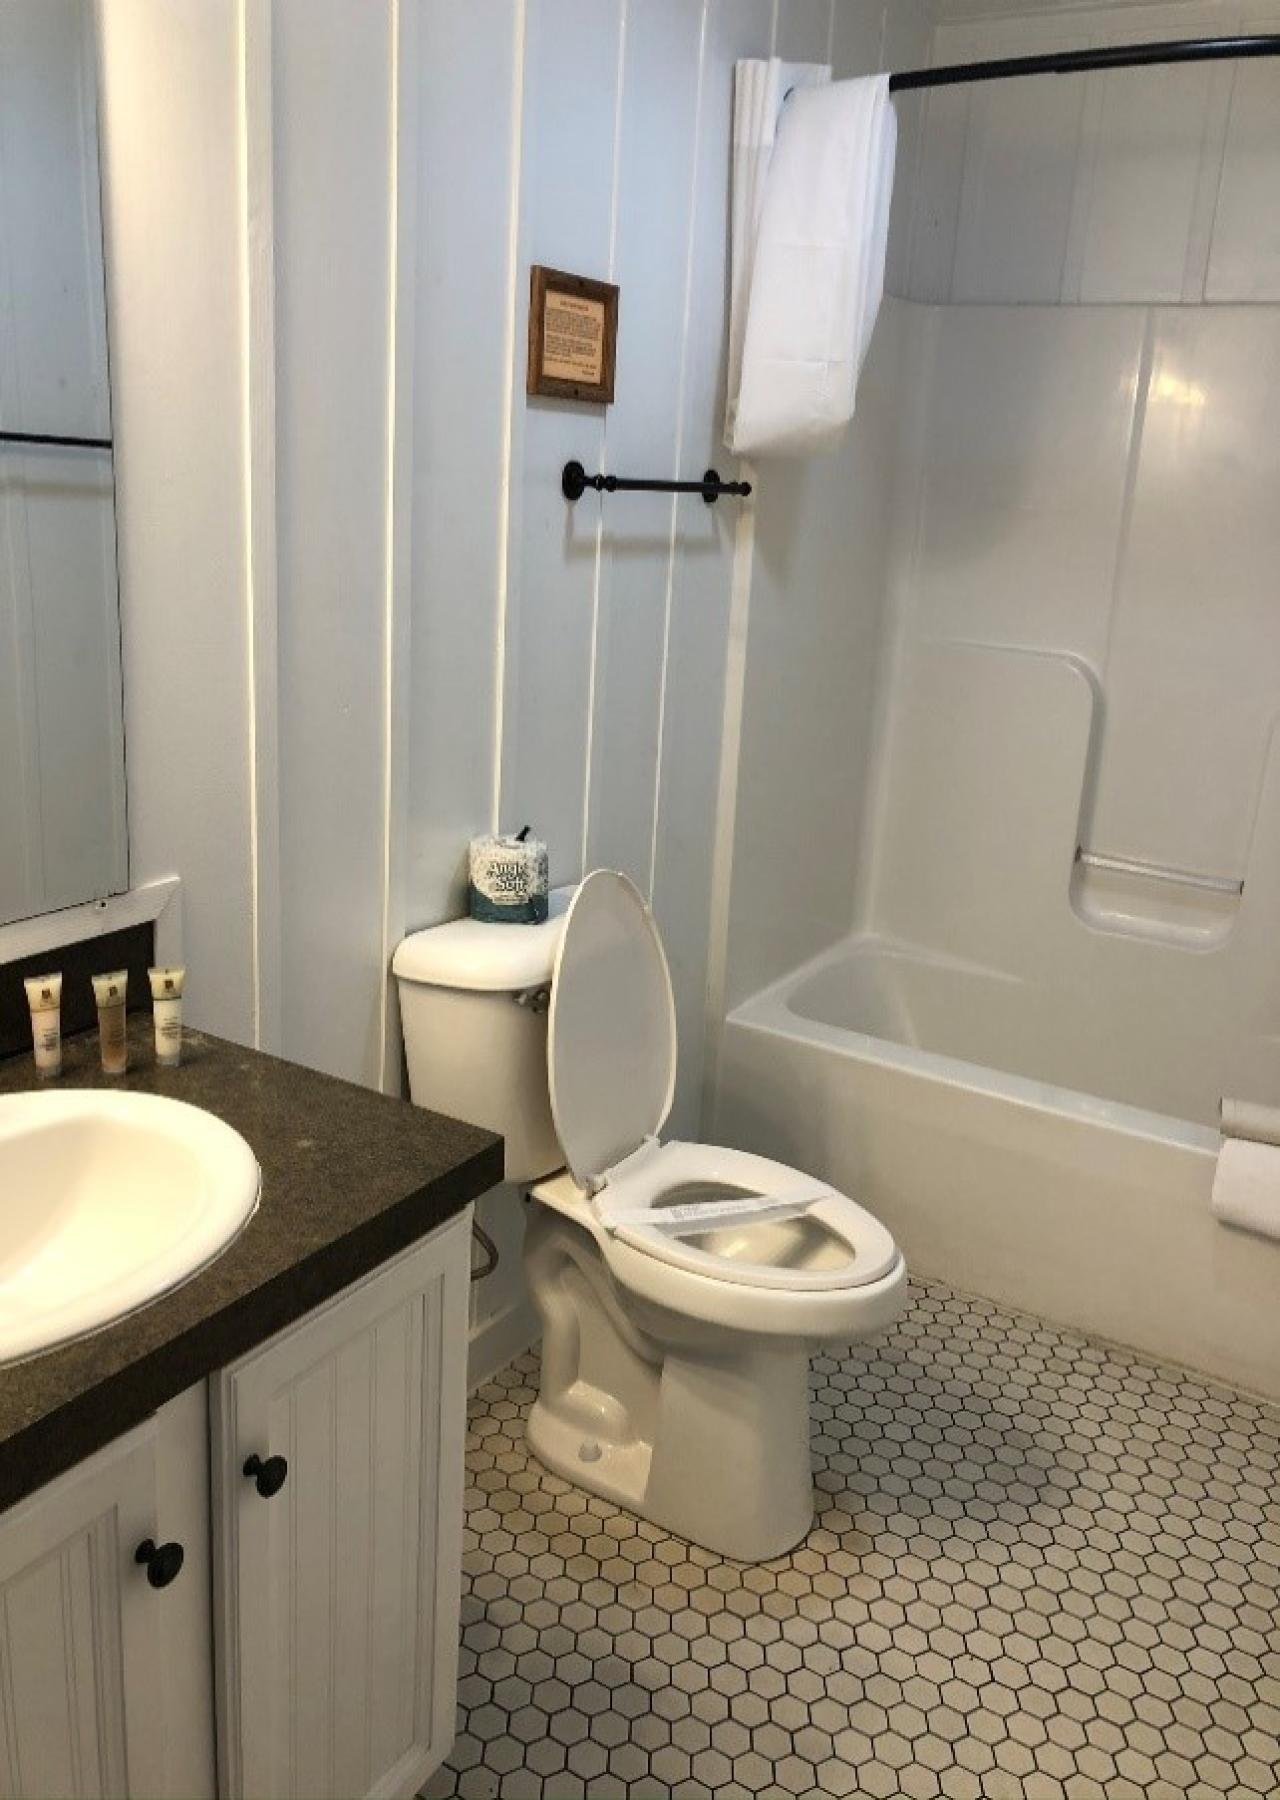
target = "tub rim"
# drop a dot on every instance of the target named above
(770, 1011)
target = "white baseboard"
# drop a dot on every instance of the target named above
(499, 1340)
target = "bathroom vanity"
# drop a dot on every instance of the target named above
(230, 1548)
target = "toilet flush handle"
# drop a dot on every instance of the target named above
(536, 999)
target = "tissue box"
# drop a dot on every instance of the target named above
(508, 880)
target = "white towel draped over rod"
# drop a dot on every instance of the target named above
(810, 214)
(812, 187)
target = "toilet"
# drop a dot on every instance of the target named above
(681, 1287)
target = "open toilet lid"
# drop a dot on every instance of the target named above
(611, 1045)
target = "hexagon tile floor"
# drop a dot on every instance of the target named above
(1039, 1567)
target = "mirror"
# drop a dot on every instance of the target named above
(63, 836)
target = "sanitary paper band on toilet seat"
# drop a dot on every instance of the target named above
(712, 1215)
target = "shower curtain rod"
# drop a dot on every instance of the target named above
(1071, 62)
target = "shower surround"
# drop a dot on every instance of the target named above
(1028, 613)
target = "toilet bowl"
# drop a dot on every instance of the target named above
(681, 1287)
(675, 1371)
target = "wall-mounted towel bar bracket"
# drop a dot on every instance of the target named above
(574, 482)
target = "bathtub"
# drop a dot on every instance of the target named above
(879, 1067)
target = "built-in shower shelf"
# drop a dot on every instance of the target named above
(1153, 900)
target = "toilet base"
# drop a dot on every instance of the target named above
(707, 1437)
(734, 1477)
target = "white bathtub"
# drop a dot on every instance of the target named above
(878, 1068)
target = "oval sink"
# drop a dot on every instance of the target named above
(107, 1201)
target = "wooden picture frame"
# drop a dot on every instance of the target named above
(573, 336)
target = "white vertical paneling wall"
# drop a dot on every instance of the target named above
(361, 685)
(656, 140)
(361, 622)
(172, 87)
(334, 195)
(567, 213)
(700, 652)
(251, 176)
(569, 661)
(463, 375)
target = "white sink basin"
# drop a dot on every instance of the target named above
(108, 1200)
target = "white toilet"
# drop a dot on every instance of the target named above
(675, 1356)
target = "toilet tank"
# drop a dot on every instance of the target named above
(473, 1008)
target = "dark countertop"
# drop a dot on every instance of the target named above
(349, 1179)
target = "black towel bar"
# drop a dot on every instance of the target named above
(574, 482)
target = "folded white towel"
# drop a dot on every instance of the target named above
(1246, 1186)
(816, 276)
(1251, 1119)
(760, 91)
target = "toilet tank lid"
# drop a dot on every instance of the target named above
(481, 958)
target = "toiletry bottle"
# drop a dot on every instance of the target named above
(109, 991)
(166, 1004)
(44, 995)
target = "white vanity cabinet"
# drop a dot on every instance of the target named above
(106, 1651)
(308, 1631)
(338, 1537)
(81, 1690)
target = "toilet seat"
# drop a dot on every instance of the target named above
(845, 1246)
(611, 1056)
(611, 1028)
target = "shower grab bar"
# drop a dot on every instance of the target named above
(1129, 865)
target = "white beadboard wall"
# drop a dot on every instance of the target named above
(250, 174)
(615, 628)
(334, 207)
(361, 624)
(172, 92)
(402, 633)
(569, 663)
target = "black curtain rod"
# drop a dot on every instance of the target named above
(1072, 62)
(63, 443)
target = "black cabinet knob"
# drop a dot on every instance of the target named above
(162, 1561)
(268, 1474)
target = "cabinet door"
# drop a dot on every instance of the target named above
(81, 1695)
(337, 1594)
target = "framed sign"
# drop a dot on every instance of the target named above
(573, 336)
